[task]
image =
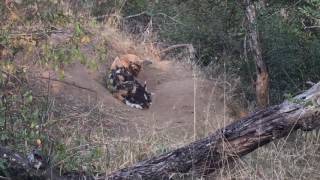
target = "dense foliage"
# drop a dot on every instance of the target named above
(289, 32)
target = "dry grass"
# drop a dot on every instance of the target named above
(294, 158)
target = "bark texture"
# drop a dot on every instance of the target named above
(224, 146)
(262, 81)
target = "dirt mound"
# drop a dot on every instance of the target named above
(185, 105)
(85, 118)
(182, 102)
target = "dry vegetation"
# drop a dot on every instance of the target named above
(57, 79)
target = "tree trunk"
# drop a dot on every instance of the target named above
(226, 145)
(262, 81)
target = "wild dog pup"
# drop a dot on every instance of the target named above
(122, 84)
(139, 98)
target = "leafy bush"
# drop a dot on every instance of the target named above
(291, 52)
(215, 28)
(20, 113)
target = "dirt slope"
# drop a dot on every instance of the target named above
(185, 105)
(83, 116)
(179, 101)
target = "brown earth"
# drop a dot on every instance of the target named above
(185, 105)
(181, 104)
(81, 114)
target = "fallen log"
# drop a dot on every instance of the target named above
(228, 144)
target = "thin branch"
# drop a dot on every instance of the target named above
(67, 83)
(173, 19)
(190, 47)
(175, 47)
(36, 33)
(311, 27)
(106, 15)
(135, 15)
(9, 74)
(100, 17)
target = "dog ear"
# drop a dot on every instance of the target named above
(117, 59)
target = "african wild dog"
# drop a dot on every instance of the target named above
(122, 84)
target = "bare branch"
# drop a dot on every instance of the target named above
(311, 27)
(135, 15)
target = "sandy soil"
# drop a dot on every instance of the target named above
(183, 106)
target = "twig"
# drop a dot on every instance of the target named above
(175, 47)
(310, 83)
(9, 74)
(67, 83)
(173, 19)
(47, 103)
(104, 16)
(36, 33)
(311, 27)
(135, 15)
(190, 47)
(100, 17)
(162, 14)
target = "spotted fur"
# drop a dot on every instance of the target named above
(122, 84)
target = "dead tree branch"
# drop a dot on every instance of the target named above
(192, 51)
(67, 83)
(135, 15)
